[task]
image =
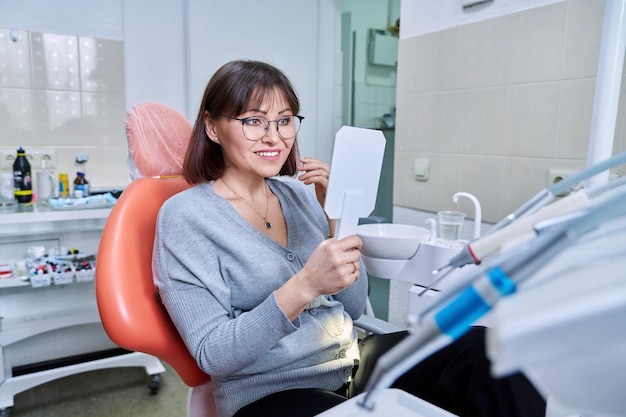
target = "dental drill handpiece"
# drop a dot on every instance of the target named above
(489, 285)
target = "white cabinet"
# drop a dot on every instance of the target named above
(53, 331)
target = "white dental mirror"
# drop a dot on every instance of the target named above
(354, 176)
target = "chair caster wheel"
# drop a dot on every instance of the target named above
(153, 385)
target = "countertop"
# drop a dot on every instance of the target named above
(21, 220)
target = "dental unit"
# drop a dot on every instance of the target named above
(486, 284)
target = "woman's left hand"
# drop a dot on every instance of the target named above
(315, 172)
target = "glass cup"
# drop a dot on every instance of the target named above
(450, 226)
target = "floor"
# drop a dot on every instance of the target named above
(115, 392)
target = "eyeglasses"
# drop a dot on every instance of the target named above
(255, 127)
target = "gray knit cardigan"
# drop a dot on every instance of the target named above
(216, 275)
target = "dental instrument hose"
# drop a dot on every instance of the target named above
(549, 194)
(490, 284)
(536, 210)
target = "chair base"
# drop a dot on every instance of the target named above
(14, 385)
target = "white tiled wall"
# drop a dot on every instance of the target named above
(494, 104)
(65, 93)
(374, 86)
(371, 103)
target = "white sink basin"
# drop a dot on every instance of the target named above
(390, 240)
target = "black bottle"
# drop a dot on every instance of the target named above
(22, 182)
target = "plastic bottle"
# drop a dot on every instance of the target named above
(81, 185)
(22, 181)
(64, 186)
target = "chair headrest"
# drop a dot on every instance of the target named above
(157, 138)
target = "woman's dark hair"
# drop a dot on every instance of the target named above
(236, 87)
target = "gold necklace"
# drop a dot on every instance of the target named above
(266, 221)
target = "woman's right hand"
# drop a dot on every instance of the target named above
(331, 268)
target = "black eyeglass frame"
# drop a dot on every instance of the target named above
(243, 121)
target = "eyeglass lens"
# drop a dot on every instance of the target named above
(255, 128)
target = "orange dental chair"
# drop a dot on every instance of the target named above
(130, 311)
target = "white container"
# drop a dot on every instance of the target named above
(63, 274)
(391, 241)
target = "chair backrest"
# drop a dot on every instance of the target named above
(130, 311)
(157, 137)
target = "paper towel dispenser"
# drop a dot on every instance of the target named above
(382, 48)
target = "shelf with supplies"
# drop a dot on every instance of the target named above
(48, 308)
(46, 271)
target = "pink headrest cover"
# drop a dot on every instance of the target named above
(157, 140)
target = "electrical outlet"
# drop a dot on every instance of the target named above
(44, 158)
(556, 175)
(7, 157)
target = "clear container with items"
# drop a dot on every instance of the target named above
(39, 273)
(84, 270)
(7, 195)
(62, 272)
(58, 266)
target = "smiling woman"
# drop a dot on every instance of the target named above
(264, 301)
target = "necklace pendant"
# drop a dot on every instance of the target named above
(268, 225)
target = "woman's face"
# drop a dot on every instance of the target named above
(264, 157)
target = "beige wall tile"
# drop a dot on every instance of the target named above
(450, 65)
(103, 119)
(522, 179)
(584, 35)
(107, 167)
(58, 120)
(536, 44)
(55, 61)
(484, 121)
(482, 177)
(433, 122)
(531, 120)
(485, 52)
(429, 195)
(406, 191)
(15, 59)
(575, 118)
(101, 65)
(16, 116)
(416, 74)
